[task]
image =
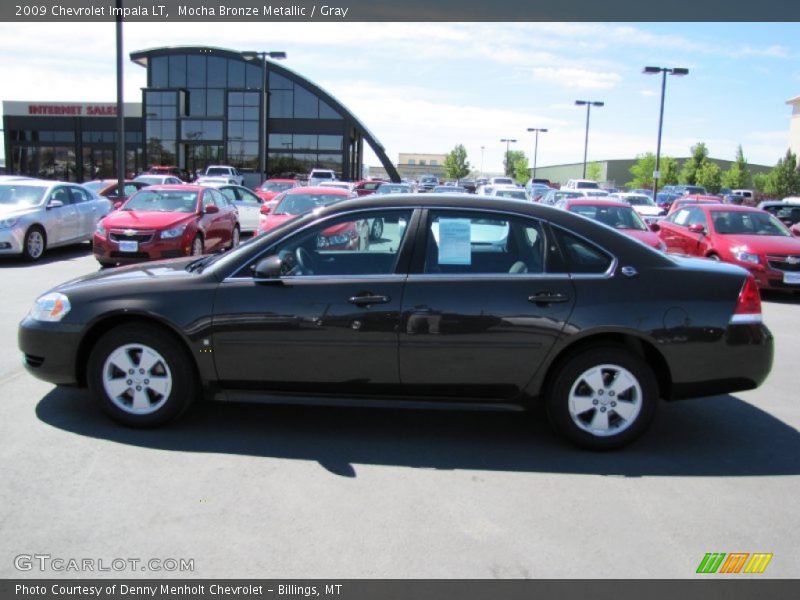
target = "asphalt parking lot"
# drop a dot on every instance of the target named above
(290, 492)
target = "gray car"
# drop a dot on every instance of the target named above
(36, 214)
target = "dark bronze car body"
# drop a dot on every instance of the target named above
(412, 336)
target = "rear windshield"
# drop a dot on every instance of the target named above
(297, 204)
(212, 171)
(275, 186)
(617, 217)
(162, 201)
(322, 175)
(586, 185)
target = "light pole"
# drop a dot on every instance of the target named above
(589, 104)
(263, 134)
(482, 147)
(536, 131)
(680, 72)
(508, 142)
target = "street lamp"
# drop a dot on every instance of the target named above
(482, 147)
(508, 142)
(536, 131)
(262, 138)
(589, 104)
(680, 72)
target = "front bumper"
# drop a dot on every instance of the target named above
(12, 240)
(108, 251)
(50, 350)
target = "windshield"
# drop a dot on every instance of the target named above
(163, 201)
(217, 171)
(275, 186)
(516, 194)
(788, 215)
(322, 175)
(639, 200)
(586, 185)
(618, 217)
(151, 180)
(27, 195)
(95, 185)
(297, 204)
(394, 189)
(503, 180)
(728, 222)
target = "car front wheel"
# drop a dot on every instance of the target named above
(141, 376)
(603, 398)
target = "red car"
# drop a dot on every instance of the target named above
(167, 221)
(298, 201)
(619, 215)
(692, 199)
(745, 236)
(272, 187)
(367, 186)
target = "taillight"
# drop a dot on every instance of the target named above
(748, 307)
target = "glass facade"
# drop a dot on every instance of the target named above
(205, 105)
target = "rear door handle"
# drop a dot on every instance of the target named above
(548, 298)
(367, 299)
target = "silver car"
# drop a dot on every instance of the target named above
(36, 214)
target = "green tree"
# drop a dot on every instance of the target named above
(594, 171)
(669, 171)
(521, 169)
(709, 175)
(690, 167)
(510, 160)
(642, 171)
(738, 177)
(784, 179)
(456, 165)
(760, 181)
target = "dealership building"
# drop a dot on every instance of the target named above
(201, 106)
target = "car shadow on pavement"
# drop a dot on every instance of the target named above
(719, 436)
(780, 297)
(53, 255)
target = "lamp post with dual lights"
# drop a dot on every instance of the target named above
(680, 72)
(536, 131)
(508, 141)
(262, 138)
(589, 104)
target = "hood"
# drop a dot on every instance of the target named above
(265, 195)
(650, 211)
(135, 275)
(764, 244)
(8, 211)
(272, 221)
(648, 237)
(144, 219)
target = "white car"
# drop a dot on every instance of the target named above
(245, 201)
(317, 176)
(510, 191)
(642, 204)
(581, 184)
(502, 181)
(36, 214)
(159, 179)
(342, 185)
(592, 193)
(222, 173)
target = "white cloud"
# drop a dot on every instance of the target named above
(576, 78)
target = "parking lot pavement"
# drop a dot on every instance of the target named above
(257, 491)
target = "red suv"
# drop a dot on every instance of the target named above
(745, 236)
(167, 221)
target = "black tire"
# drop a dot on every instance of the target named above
(376, 231)
(193, 250)
(176, 363)
(235, 238)
(106, 265)
(30, 250)
(571, 373)
(714, 257)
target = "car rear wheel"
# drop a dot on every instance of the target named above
(141, 376)
(34, 244)
(603, 398)
(197, 245)
(235, 238)
(376, 232)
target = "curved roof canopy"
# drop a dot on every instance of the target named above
(141, 58)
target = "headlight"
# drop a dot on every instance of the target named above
(8, 223)
(100, 230)
(174, 232)
(744, 256)
(332, 240)
(51, 307)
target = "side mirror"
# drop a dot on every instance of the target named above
(655, 227)
(211, 209)
(118, 204)
(271, 267)
(265, 208)
(54, 204)
(697, 228)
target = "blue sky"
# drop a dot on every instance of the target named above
(424, 87)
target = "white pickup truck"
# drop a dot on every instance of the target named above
(221, 173)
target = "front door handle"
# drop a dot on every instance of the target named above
(548, 298)
(367, 299)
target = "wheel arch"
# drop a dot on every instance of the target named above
(633, 343)
(111, 321)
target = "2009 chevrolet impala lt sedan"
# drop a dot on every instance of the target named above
(474, 302)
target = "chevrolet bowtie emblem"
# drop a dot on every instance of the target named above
(129, 232)
(793, 260)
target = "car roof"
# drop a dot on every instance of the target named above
(188, 187)
(732, 208)
(595, 202)
(317, 190)
(279, 180)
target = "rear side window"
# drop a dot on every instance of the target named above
(580, 256)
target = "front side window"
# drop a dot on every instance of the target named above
(345, 245)
(482, 243)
